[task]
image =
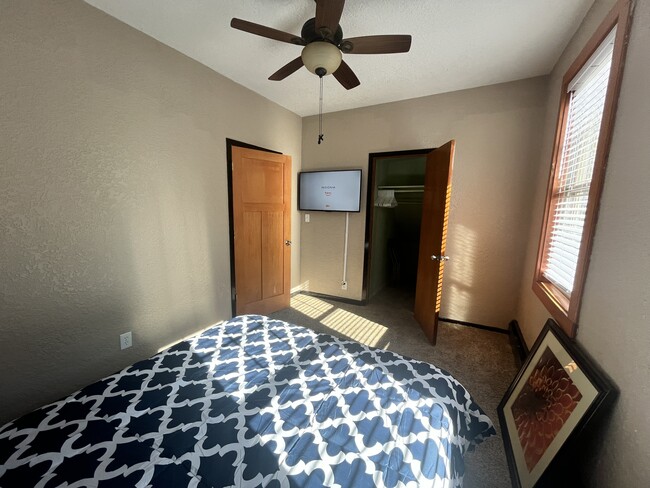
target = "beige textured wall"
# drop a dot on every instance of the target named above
(496, 131)
(113, 196)
(613, 325)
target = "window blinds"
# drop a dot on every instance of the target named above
(571, 190)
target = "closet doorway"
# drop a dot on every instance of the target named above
(407, 212)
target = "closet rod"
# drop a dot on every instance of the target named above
(403, 188)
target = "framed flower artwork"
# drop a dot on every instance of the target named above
(556, 392)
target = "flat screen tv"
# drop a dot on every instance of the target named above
(330, 191)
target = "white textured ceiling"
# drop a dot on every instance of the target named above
(457, 44)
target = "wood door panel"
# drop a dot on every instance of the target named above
(249, 264)
(433, 238)
(272, 254)
(261, 182)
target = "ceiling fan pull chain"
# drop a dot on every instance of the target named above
(320, 113)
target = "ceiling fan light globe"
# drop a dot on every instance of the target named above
(321, 54)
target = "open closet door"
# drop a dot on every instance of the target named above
(433, 237)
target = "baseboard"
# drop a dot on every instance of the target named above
(472, 324)
(297, 289)
(517, 341)
(331, 297)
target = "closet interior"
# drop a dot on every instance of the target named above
(397, 212)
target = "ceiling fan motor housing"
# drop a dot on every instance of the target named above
(321, 55)
(310, 33)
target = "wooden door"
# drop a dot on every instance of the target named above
(261, 192)
(433, 237)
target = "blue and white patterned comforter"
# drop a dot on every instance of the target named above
(253, 402)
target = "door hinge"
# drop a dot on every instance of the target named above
(439, 258)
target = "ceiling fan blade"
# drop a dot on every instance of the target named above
(346, 76)
(268, 32)
(289, 68)
(328, 15)
(376, 44)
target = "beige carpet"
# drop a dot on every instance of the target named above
(483, 361)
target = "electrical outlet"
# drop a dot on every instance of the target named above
(307, 217)
(126, 340)
(344, 285)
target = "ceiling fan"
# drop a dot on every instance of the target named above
(323, 43)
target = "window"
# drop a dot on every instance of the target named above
(586, 116)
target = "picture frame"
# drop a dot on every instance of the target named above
(555, 394)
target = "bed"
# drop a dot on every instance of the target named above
(253, 402)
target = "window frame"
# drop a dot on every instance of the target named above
(565, 309)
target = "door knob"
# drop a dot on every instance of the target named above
(439, 258)
(287, 243)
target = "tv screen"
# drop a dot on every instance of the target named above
(330, 191)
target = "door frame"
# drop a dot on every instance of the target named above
(370, 208)
(231, 218)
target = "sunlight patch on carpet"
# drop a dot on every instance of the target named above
(355, 327)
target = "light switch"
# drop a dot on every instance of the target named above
(306, 217)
